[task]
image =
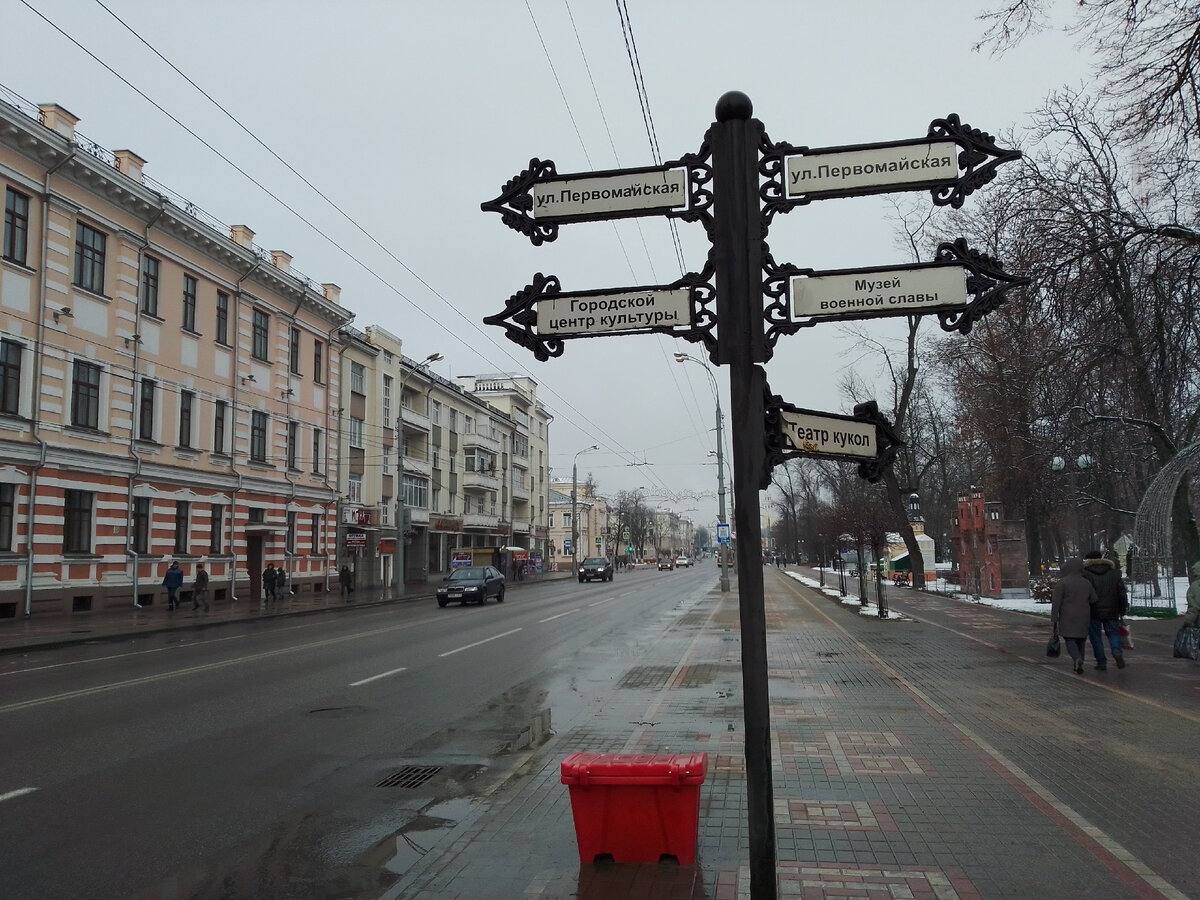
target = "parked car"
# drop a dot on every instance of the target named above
(471, 584)
(683, 561)
(666, 565)
(595, 567)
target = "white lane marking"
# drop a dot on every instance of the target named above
(20, 792)
(377, 677)
(559, 616)
(602, 602)
(494, 637)
(191, 670)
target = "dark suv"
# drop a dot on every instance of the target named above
(595, 567)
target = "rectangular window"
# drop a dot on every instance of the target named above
(319, 362)
(85, 395)
(220, 411)
(216, 522)
(189, 303)
(436, 499)
(262, 325)
(187, 400)
(416, 492)
(258, 436)
(354, 489)
(10, 377)
(317, 547)
(435, 412)
(141, 524)
(222, 318)
(150, 267)
(89, 258)
(318, 451)
(77, 521)
(387, 401)
(385, 467)
(8, 505)
(16, 226)
(356, 433)
(183, 511)
(294, 351)
(358, 379)
(290, 537)
(293, 437)
(146, 410)
(454, 420)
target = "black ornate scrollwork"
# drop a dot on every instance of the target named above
(516, 202)
(779, 451)
(979, 158)
(987, 282)
(776, 313)
(771, 167)
(521, 309)
(700, 201)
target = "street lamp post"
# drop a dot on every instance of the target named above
(1081, 463)
(398, 567)
(822, 560)
(575, 508)
(683, 357)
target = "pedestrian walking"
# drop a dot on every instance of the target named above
(1071, 609)
(346, 580)
(268, 584)
(173, 581)
(1112, 603)
(1192, 616)
(200, 588)
(281, 582)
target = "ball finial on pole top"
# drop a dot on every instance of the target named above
(734, 105)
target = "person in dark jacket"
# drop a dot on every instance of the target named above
(346, 579)
(269, 584)
(1192, 616)
(1071, 609)
(200, 588)
(1112, 602)
(173, 581)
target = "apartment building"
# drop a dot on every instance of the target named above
(165, 386)
(468, 458)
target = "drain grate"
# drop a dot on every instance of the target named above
(410, 777)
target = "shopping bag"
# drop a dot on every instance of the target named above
(1126, 637)
(1054, 647)
(1187, 642)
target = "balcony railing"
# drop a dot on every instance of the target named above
(480, 520)
(480, 481)
(414, 420)
(478, 439)
(417, 466)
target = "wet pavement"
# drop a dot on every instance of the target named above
(936, 754)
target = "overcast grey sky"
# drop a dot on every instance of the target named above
(408, 115)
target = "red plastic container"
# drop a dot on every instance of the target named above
(635, 807)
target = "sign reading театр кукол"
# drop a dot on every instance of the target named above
(836, 436)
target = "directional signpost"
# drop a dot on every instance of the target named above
(743, 302)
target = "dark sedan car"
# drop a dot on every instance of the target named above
(471, 584)
(595, 567)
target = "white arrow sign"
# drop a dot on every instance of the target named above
(879, 291)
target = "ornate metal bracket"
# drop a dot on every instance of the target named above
(775, 287)
(987, 282)
(515, 201)
(888, 443)
(519, 316)
(980, 157)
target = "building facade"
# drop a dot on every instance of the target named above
(165, 387)
(990, 549)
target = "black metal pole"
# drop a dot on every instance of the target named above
(737, 255)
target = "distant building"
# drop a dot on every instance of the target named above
(167, 387)
(990, 548)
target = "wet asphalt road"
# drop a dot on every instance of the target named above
(246, 761)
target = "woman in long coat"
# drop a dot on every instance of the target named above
(1071, 609)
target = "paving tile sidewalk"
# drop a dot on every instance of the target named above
(910, 759)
